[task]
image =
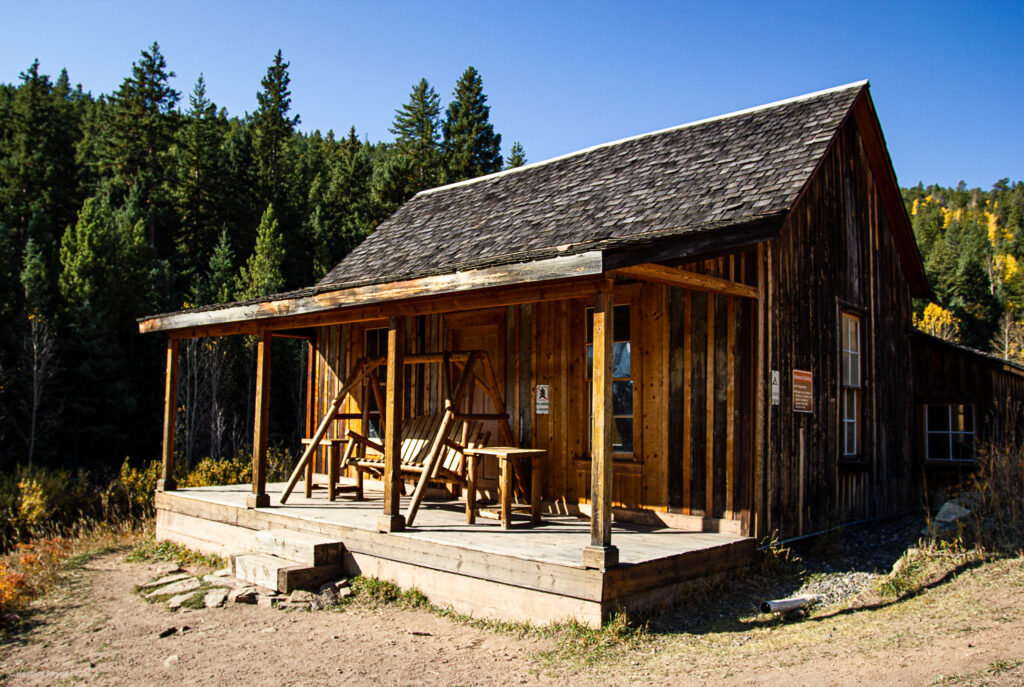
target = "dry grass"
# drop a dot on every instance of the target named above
(36, 567)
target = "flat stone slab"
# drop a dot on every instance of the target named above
(220, 581)
(175, 602)
(179, 587)
(165, 580)
(215, 597)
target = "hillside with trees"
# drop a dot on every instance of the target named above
(145, 200)
(972, 245)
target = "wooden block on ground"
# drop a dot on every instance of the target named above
(282, 574)
(301, 547)
(258, 568)
(307, 577)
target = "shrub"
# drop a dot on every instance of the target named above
(997, 498)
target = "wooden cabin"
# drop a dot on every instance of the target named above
(707, 329)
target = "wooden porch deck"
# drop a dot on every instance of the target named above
(525, 573)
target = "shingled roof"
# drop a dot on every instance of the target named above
(710, 185)
(728, 170)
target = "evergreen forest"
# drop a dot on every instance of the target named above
(147, 200)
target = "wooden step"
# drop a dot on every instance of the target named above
(301, 547)
(281, 574)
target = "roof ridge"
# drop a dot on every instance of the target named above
(736, 113)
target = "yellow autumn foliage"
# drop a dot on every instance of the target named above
(938, 322)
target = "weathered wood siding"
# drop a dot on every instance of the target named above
(948, 374)
(836, 253)
(690, 454)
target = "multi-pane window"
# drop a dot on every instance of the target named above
(850, 383)
(377, 347)
(949, 432)
(622, 377)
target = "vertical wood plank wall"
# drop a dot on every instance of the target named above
(836, 253)
(691, 372)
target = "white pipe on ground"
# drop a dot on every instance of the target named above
(790, 604)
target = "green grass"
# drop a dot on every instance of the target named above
(149, 550)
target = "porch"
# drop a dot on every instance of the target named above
(533, 574)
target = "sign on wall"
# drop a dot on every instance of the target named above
(541, 401)
(803, 391)
(776, 391)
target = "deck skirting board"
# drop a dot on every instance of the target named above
(477, 581)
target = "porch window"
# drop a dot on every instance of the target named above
(622, 377)
(851, 385)
(949, 432)
(377, 346)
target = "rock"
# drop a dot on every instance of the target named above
(166, 569)
(223, 572)
(10, 618)
(951, 512)
(220, 581)
(175, 602)
(171, 660)
(268, 600)
(345, 592)
(215, 597)
(165, 580)
(301, 595)
(243, 595)
(286, 605)
(179, 587)
(168, 632)
(327, 597)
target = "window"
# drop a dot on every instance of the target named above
(622, 382)
(850, 383)
(377, 346)
(949, 432)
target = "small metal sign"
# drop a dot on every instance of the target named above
(776, 391)
(542, 399)
(803, 391)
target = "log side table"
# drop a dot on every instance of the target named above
(508, 457)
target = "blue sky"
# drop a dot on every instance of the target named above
(947, 78)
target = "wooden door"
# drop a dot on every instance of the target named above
(482, 330)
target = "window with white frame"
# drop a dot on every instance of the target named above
(949, 431)
(850, 383)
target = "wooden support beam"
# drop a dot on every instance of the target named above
(687, 280)
(167, 482)
(391, 519)
(261, 425)
(601, 554)
(339, 307)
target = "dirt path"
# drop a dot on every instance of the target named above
(968, 630)
(99, 632)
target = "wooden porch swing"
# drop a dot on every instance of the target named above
(432, 446)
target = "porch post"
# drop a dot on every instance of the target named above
(601, 554)
(259, 498)
(167, 482)
(392, 520)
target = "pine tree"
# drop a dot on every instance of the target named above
(35, 280)
(199, 173)
(136, 134)
(38, 177)
(416, 128)
(517, 156)
(262, 274)
(272, 132)
(471, 147)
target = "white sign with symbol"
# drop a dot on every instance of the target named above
(542, 399)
